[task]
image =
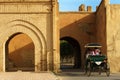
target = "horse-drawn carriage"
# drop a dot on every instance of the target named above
(97, 62)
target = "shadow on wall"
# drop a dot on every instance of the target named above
(22, 57)
(19, 51)
(80, 27)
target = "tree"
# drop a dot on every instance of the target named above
(66, 49)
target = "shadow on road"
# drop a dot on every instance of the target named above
(68, 70)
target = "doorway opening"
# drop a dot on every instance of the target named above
(70, 53)
(19, 53)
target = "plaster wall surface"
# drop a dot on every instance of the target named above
(79, 26)
(113, 36)
(20, 52)
(101, 26)
(27, 18)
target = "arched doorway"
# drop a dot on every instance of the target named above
(19, 53)
(72, 59)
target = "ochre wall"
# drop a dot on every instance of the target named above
(101, 26)
(21, 51)
(39, 21)
(113, 36)
(35, 19)
(79, 26)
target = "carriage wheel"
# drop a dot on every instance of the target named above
(89, 69)
(100, 70)
(107, 69)
(108, 72)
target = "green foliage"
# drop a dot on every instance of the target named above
(66, 49)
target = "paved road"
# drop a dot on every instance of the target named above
(65, 75)
(81, 76)
(68, 73)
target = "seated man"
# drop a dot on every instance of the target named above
(97, 51)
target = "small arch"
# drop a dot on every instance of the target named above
(76, 51)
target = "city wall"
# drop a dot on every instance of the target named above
(79, 26)
(101, 26)
(113, 36)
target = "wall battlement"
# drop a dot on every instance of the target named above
(82, 8)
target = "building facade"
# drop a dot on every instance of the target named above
(31, 31)
(27, 35)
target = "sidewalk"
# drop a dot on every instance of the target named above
(27, 76)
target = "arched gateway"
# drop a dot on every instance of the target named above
(28, 35)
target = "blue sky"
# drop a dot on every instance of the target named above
(72, 5)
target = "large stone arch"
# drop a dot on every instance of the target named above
(21, 26)
(19, 53)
